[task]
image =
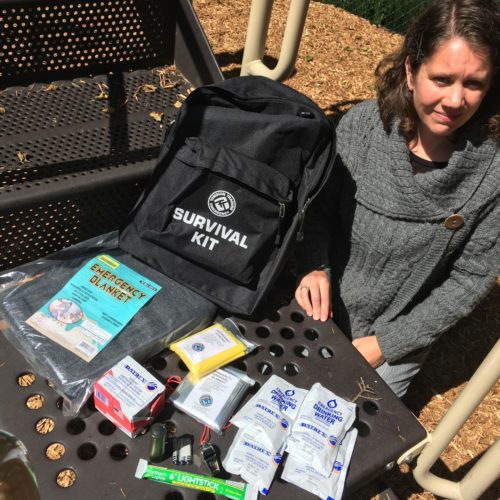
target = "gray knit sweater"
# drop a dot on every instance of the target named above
(397, 271)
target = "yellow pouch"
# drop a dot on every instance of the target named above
(212, 348)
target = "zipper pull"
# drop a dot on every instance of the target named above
(281, 215)
(282, 210)
(300, 233)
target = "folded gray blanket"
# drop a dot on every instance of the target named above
(172, 313)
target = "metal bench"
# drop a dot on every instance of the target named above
(87, 92)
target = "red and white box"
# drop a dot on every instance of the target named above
(129, 396)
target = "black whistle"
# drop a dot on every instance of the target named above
(210, 457)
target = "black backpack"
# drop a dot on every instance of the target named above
(228, 196)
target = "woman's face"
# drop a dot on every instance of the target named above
(449, 87)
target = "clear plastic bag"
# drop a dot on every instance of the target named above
(173, 313)
(212, 348)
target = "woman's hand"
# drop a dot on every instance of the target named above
(370, 350)
(313, 295)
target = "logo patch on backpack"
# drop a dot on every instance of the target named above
(221, 203)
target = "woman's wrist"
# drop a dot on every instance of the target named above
(369, 348)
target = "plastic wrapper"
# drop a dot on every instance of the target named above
(212, 348)
(185, 479)
(212, 399)
(173, 313)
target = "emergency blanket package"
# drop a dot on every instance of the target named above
(212, 399)
(94, 306)
(171, 314)
(212, 348)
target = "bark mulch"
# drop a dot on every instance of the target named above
(335, 65)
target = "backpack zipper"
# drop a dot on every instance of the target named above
(281, 215)
(300, 232)
(282, 209)
(328, 171)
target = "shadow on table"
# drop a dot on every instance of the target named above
(281, 294)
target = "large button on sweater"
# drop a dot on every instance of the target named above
(454, 221)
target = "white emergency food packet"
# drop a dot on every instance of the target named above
(272, 409)
(253, 460)
(212, 399)
(305, 476)
(321, 424)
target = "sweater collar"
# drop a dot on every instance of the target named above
(392, 188)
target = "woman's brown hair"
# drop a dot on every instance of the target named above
(477, 22)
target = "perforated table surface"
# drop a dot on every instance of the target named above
(292, 346)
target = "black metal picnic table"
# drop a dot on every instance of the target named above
(291, 345)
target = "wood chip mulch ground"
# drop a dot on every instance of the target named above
(335, 65)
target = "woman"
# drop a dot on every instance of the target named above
(404, 239)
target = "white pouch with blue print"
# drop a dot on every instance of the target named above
(272, 410)
(321, 424)
(305, 476)
(253, 460)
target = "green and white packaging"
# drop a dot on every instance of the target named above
(217, 486)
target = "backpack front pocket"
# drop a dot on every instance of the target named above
(221, 209)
